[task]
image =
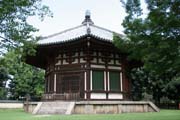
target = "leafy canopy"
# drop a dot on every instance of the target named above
(154, 39)
(16, 38)
(15, 31)
(25, 79)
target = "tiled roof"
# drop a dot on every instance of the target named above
(87, 28)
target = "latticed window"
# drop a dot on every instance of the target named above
(97, 80)
(70, 84)
(114, 80)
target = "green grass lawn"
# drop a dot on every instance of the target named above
(19, 114)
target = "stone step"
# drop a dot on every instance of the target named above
(55, 104)
(52, 112)
(59, 107)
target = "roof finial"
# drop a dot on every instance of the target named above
(88, 13)
(87, 18)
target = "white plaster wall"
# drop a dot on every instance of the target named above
(11, 105)
(85, 96)
(98, 96)
(82, 60)
(75, 61)
(81, 53)
(58, 63)
(117, 56)
(100, 60)
(94, 60)
(114, 67)
(115, 96)
(97, 66)
(117, 62)
(64, 55)
(64, 62)
(59, 56)
(94, 53)
(111, 62)
(76, 54)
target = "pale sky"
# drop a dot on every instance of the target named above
(70, 13)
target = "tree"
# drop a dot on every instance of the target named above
(3, 79)
(147, 83)
(3, 76)
(16, 36)
(153, 39)
(172, 88)
(26, 79)
(15, 31)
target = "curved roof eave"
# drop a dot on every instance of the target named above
(74, 39)
(87, 28)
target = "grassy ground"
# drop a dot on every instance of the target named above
(19, 114)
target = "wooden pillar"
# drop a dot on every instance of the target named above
(121, 81)
(54, 82)
(88, 83)
(125, 81)
(107, 72)
(45, 88)
(88, 68)
(107, 80)
(48, 84)
(85, 84)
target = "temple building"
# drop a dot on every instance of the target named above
(82, 63)
(85, 73)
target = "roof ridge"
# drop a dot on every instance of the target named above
(78, 32)
(52, 35)
(107, 30)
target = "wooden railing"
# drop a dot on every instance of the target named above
(61, 96)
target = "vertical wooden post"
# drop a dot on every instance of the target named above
(27, 102)
(88, 68)
(54, 82)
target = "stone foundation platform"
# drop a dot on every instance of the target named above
(90, 107)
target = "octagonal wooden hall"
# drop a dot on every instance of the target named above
(82, 63)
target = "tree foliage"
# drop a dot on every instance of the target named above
(15, 31)
(173, 89)
(25, 79)
(3, 79)
(154, 39)
(17, 40)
